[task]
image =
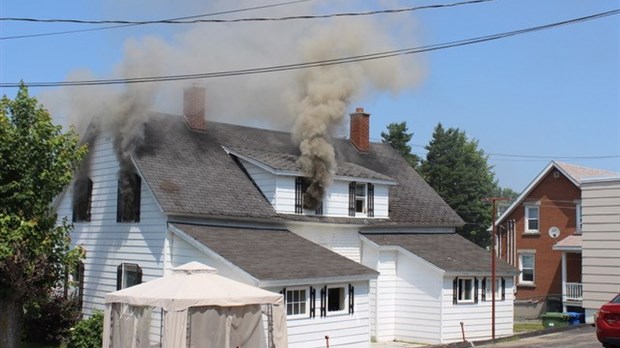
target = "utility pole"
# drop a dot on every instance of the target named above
(493, 260)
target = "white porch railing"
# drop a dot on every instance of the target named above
(572, 292)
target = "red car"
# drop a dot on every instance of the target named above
(608, 323)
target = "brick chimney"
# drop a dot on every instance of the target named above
(360, 137)
(194, 107)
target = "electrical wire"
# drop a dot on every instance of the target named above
(321, 63)
(533, 158)
(170, 19)
(237, 20)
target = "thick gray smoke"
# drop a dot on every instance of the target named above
(325, 94)
(312, 102)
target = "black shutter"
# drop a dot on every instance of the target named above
(80, 279)
(351, 299)
(312, 295)
(90, 199)
(298, 196)
(455, 285)
(503, 289)
(319, 209)
(119, 277)
(484, 289)
(352, 198)
(283, 292)
(138, 275)
(119, 202)
(324, 302)
(137, 190)
(371, 200)
(475, 290)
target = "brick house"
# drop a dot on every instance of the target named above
(540, 234)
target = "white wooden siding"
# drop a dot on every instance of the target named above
(265, 181)
(108, 243)
(336, 200)
(476, 317)
(418, 296)
(386, 296)
(601, 243)
(343, 240)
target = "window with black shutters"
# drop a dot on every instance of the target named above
(82, 199)
(361, 199)
(128, 197)
(301, 185)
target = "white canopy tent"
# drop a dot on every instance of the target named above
(200, 309)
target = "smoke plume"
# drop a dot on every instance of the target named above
(310, 103)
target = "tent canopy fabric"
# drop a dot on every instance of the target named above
(192, 285)
(197, 291)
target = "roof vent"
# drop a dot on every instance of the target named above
(556, 175)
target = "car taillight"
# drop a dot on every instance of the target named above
(609, 317)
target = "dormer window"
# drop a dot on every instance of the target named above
(361, 199)
(82, 199)
(128, 197)
(301, 186)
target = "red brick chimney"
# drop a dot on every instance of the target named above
(360, 130)
(194, 107)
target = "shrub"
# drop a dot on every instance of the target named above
(48, 320)
(87, 333)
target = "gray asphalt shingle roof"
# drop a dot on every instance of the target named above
(190, 174)
(268, 254)
(288, 162)
(448, 251)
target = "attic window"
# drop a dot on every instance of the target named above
(128, 197)
(301, 186)
(361, 199)
(82, 199)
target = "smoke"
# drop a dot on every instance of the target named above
(325, 94)
(312, 102)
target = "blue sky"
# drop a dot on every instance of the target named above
(552, 94)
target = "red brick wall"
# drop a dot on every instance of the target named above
(556, 198)
(360, 137)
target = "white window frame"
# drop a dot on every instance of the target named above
(345, 300)
(578, 218)
(305, 302)
(521, 268)
(126, 269)
(498, 289)
(527, 219)
(460, 282)
(363, 198)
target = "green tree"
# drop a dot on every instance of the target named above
(37, 161)
(458, 170)
(398, 137)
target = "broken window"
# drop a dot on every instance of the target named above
(128, 197)
(82, 199)
(303, 199)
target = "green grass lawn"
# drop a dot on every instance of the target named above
(528, 326)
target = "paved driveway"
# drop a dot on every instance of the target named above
(582, 337)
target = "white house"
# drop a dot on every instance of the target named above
(364, 263)
(601, 242)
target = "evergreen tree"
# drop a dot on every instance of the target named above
(398, 137)
(458, 170)
(36, 163)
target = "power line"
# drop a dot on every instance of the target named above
(534, 158)
(171, 19)
(190, 20)
(298, 66)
